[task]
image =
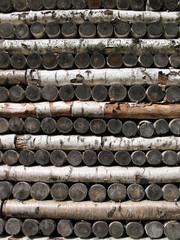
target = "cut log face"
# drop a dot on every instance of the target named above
(53, 30)
(146, 129)
(154, 229)
(83, 92)
(5, 60)
(123, 158)
(154, 5)
(64, 125)
(98, 126)
(161, 126)
(80, 4)
(97, 193)
(35, 5)
(137, 5)
(93, 4)
(172, 230)
(50, 93)
(33, 93)
(74, 158)
(10, 157)
(16, 124)
(97, 60)
(47, 227)
(21, 191)
(39, 191)
(48, 125)
(146, 60)
(42, 157)
(69, 30)
(138, 158)
(154, 157)
(138, 30)
(171, 30)
(174, 126)
(89, 157)
(13, 226)
(2, 225)
(154, 192)
(64, 4)
(170, 158)
(135, 192)
(104, 30)
(173, 94)
(78, 192)
(32, 125)
(4, 94)
(155, 30)
(117, 192)
(65, 228)
(26, 157)
(34, 60)
(123, 4)
(59, 191)
(37, 29)
(135, 230)
(82, 229)
(82, 60)
(100, 229)
(155, 93)
(109, 4)
(4, 125)
(171, 193)
(116, 229)
(20, 5)
(137, 93)
(174, 60)
(161, 60)
(122, 29)
(129, 129)
(18, 61)
(81, 125)
(22, 31)
(170, 5)
(87, 30)
(114, 60)
(99, 93)
(50, 61)
(66, 93)
(106, 157)
(30, 227)
(58, 158)
(5, 190)
(6, 31)
(117, 92)
(49, 4)
(114, 126)
(16, 94)
(5, 6)
(66, 60)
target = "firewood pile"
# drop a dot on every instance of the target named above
(89, 119)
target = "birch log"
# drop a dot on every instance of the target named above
(145, 210)
(52, 174)
(95, 16)
(90, 109)
(80, 45)
(93, 77)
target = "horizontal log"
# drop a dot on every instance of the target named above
(95, 16)
(80, 45)
(99, 174)
(90, 109)
(91, 77)
(145, 210)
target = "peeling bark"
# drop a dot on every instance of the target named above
(52, 174)
(145, 210)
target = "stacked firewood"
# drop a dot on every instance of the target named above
(90, 119)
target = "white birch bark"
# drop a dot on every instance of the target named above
(95, 16)
(68, 142)
(107, 77)
(79, 45)
(126, 175)
(144, 210)
(65, 142)
(7, 141)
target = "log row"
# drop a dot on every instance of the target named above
(69, 29)
(81, 126)
(85, 229)
(99, 93)
(79, 192)
(136, 5)
(51, 61)
(90, 158)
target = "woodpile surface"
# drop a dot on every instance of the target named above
(89, 119)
